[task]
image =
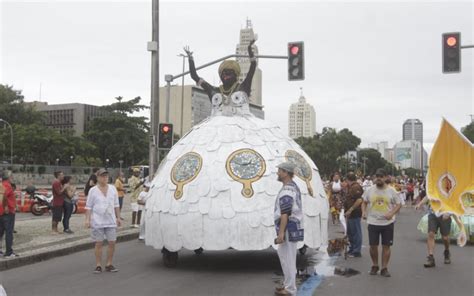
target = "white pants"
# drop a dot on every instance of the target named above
(142, 226)
(287, 254)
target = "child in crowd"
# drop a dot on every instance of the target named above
(142, 197)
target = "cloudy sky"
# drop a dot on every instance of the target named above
(369, 65)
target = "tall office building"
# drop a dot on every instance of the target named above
(71, 118)
(246, 36)
(413, 130)
(301, 119)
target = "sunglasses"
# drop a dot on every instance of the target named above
(379, 176)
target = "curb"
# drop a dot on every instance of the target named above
(82, 245)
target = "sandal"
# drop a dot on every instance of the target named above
(374, 270)
(384, 272)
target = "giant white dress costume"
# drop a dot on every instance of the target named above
(216, 188)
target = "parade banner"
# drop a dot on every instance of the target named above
(451, 171)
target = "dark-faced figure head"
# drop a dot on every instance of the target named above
(229, 72)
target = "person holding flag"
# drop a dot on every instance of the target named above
(450, 178)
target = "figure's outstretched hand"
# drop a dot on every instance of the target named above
(188, 52)
(250, 48)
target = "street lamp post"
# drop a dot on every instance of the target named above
(3, 157)
(364, 159)
(120, 163)
(57, 163)
(107, 163)
(182, 93)
(11, 140)
(71, 157)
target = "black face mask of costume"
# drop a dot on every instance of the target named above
(228, 78)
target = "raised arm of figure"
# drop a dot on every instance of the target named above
(192, 70)
(247, 83)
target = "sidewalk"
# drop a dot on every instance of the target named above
(34, 241)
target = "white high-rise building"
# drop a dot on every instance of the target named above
(301, 119)
(246, 36)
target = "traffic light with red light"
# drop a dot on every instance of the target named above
(165, 137)
(295, 61)
(451, 52)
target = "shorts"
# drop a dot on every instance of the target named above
(136, 207)
(57, 212)
(384, 231)
(104, 233)
(438, 222)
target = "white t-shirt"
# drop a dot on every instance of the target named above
(102, 207)
(336, 186)
(143, 196)
(380, 202)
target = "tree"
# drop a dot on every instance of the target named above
(411, 172)
(328, 148)
(37, 144)
(34, 143)
(374, 161)
(14, 110)
(119, 135)
(468, 131)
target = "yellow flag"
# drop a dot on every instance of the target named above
(451, 171)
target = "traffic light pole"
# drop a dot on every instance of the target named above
(153, 47)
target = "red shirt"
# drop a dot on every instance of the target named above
(10, 196)
(2, 191)
(58, 199)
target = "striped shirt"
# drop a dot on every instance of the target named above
(289, 202)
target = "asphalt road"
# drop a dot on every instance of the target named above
(245, 273)
(409, 277)
(142, 273)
